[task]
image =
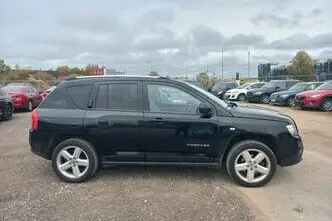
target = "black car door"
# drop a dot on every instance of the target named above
(2, 101)
(113, 119)
(173, 130)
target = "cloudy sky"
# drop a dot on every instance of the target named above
(169, 36)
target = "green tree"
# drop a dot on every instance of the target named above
(4, 70)
(302, 67)
(75, 71)
(207, 81)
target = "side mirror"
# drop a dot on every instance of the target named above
(205, 109)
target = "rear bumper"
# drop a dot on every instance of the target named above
(39, 144)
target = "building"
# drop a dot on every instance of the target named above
(323, 70)
(109, 71)
(264, 71)
(95, 69)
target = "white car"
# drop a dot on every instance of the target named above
(240, 92)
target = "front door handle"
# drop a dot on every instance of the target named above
(103, 124)
(158, 120)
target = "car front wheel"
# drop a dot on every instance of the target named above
(241, 98)
(74, 160)
(251, 163)
(265, 99)
(327, 105)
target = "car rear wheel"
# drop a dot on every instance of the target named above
(75, 160)
(326, 105)
(251, 163)
(265, 99)
(291, 102)
(30, 106)
(241, 97)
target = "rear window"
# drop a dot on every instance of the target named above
(80, 95)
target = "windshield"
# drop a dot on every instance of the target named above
(211, 96)
(269, 85)
(298, 87)
(325, 86)
(244, 85)
(9, 89)
(219, 86)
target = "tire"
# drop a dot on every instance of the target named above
(241, 176)
(241, 97)
(30, 106)
(8, 112)
(326, 105)
(291, 102)
(265, 99)
(85, 164)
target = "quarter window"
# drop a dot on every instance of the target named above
(167, 99)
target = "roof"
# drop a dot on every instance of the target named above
(116, 76)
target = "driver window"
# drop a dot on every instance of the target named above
(168, 99)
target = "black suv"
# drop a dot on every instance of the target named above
(6, 105)
(262, 94)
(89, 122)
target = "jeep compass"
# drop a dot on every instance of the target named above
(91, 122)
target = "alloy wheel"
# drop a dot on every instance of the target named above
(242, 98)
(327, 105)
(291, 102)
(252, 165)
(72, 162)
(265, 99)
(30, 106)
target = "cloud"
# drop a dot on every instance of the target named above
(277, 21)
(315, 12)
(301, 41)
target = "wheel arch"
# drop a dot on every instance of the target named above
(56, 140)
(268, 140)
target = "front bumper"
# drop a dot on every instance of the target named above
(307, 102)
(279, 101)
(254, 98)
(230, 96)
(290, 151)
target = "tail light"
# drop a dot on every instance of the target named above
(35, 120)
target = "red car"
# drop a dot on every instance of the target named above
(24, 97)
(320, 98)
(47, 92)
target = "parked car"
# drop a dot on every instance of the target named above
(45, 93)
(89, 122)
(6, 106)
(24, 97)
(220, 89)
(20, 84)
(240, 92)
(262, 95)
(320, 98)
(287, 97)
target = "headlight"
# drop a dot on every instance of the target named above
(315, 96)
(258, 93)
(284, 96)
(220, 92)
(292, 129)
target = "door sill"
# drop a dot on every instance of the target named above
(176, 164)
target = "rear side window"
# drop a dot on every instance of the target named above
(80, 95)
(117, 96)
(58, 100)
(291, 83)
